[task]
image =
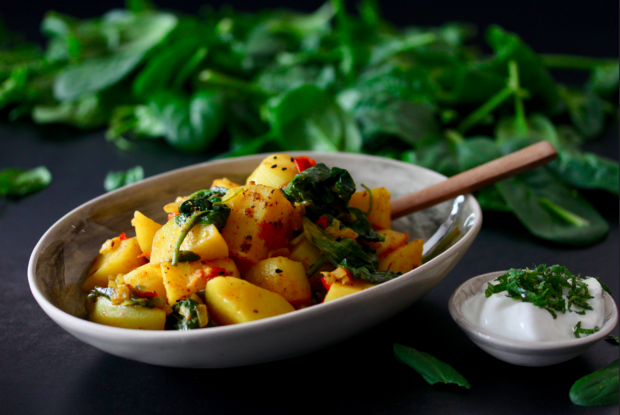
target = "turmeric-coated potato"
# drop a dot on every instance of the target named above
(260, 222)
(403, 259)
(274, 171)
(392, 241)
(127, 317)
(379, 217)
(116, 257)
(224, 182)
(233, 301)
(147, 278)
(338, 290)
(145, 231)
(203, 240)
(187, 278)
(283, 276)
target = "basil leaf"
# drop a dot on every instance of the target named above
(18, 182)
(598, 388)
(117, 179)
(432, 369)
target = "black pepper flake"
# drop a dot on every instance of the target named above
(222, 272)
(278, 271)
(283, 168)
(292, 159)
(274, 166)
(275, 157)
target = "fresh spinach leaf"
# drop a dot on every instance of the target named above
(474, 151)
(490, 198)
(117, 179)
(598, 388)
(187, 314)
(587, 170)
(613, 339)
(604, 80)
(18, 182)
(586, 110)
(432, 369)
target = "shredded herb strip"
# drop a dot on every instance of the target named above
(543, 287)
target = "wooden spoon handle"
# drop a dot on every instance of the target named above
(520, 161)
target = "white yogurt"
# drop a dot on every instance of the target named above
(516, 319)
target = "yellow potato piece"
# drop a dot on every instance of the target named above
(392, 241)
(283, 276)
(120, 257)
(145, 231)
(379, 217)
(403, 259)
(187, 278)
(127, 317)
(338, 290)
(203, 240)
(274, 171)
(224, 182)
(260, 222)
(147, 278)
(234, 301)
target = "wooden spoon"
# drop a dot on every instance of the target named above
(494, 171)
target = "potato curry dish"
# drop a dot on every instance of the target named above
(295, 235)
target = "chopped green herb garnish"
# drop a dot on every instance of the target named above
(613, 339)
(578, 330)
(544, 288)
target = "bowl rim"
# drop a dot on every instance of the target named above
(85, 326)
(515, 345)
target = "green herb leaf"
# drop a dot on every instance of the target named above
(117, 179)
(18, 182)
(432, 369)
(613, 339)
(187, 314)
(598, 388)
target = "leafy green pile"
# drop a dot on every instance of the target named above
(328, 81)
(19, 182)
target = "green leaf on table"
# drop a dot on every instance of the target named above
(587, 170)
(18, 182)
(142, 31)
(604, 80)
(490, 198)
(117, 179)
(474, 151)
(435, 153)
(432, 369)
(551, 210)
(613, 339)
(586, 111)
(598, 388)
(308, 118)
(540, 128)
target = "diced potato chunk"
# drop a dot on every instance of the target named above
(274, 171)
(224, 182)
(147, 278)
(233, 301)
(118, 257)
(145, 231)
(260, 222)
(403, 259)
(283, 276)
(187, 278)
(392, 241)
(127, 317)
(379, 217)
(203, 240)
(338, 290)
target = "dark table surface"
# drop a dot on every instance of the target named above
(44, 370)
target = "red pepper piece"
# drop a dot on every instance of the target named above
(218, 272)
(122, 236)
(303, 163)
(146, 294)
(325, 284)
(144, 255)
(172, 215)
(322, 222)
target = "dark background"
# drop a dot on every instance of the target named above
(44, 370)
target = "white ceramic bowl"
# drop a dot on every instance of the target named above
(520, 352)
(61, 259)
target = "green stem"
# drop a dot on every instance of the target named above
(520, 122)
(486, 108)
(216, 78)
(187, 226)
(316, 266)
(574, 62)
(370, 199)
(453, 136)
(567, 215)
(189, 68)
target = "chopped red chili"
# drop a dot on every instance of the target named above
(122, 236)
(303, 163)
(325, 284)
(322, 222)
